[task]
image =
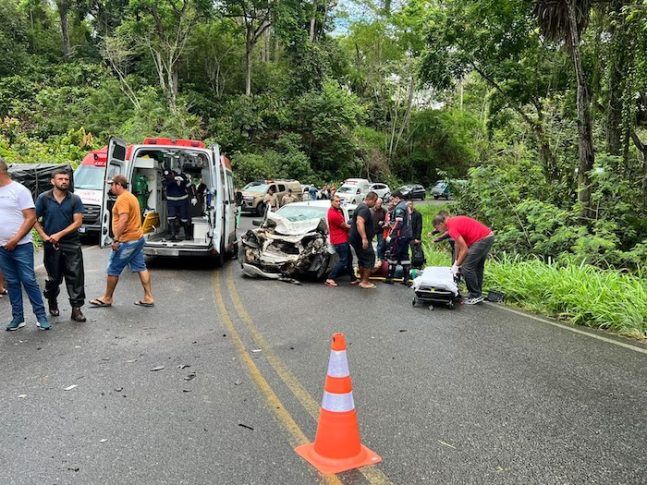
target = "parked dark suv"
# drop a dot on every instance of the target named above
(413, 191)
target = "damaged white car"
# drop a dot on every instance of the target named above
(291, 244)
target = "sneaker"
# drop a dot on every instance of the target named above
(473, 300)
(15, 324)
(43, 324)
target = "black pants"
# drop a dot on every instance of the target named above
(399, 254)
(473, 266)
(65, 261)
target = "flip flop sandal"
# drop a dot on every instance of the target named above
(97, 303)
(144, 304)
(330, 284)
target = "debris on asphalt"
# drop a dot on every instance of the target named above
(403, 330)
(155, 369)
(256, 350)
(224, 334)
(183, 366)
(103, 440)
(237, 382)
(131, 361)
(119, 389)
(186, 390)
(291, 348)
(446, 444)
(22, 396)
(189, 377)
(73, 468)
(69, 388)
(245, 426)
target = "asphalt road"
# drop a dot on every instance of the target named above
(475, 395)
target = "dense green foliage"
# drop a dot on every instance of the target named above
(541, 104)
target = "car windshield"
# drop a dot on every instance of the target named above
(298, 212)
(346, 190)
(258, 188)
(89, 177)
(406, 188)
(440, 185)
(252, 184)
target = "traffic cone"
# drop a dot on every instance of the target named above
(337, 445)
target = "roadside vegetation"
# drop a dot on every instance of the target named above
(540, 105)
(580, 294)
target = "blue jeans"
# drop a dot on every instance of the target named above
(129, 254)
(18, 269)
(381, 245)
(345, 263)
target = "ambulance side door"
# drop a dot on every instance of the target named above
(216, 210)
(230, 203)
(116, 164)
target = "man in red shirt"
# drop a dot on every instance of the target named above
(338, 230)
(473, 242)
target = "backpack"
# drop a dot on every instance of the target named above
(418, 256)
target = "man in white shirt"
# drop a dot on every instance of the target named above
(18, 216)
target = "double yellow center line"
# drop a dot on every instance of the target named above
(296, 435)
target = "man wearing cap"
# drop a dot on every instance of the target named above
(127, 246)
(398, 239)
(473, 241)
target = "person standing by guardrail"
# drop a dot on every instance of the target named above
(18, 216)
(62, 214)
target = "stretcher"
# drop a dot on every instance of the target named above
(436, 285)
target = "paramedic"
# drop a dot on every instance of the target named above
(398, 239)
(473, 242)
(178, 188)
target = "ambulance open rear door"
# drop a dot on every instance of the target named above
(116, 164)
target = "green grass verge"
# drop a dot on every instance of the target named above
(580, 294)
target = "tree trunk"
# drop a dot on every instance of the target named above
(642, 148)
(313, 21)
(248, 64)
(617, 66)
(584, 122)
(63, 10)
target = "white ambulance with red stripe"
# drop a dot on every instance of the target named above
(212, 219)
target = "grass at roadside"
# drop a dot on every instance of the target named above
(580, 294)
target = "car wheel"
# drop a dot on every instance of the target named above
(260, 209)
(435, 197)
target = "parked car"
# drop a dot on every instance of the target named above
(380, 189)
(354, 190)
(292, 243)
(441, 189)
(253, 196)
(413, 191)
(447, 188)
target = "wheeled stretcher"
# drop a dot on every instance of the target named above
(436, 285)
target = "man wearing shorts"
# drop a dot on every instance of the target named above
(128, 245)
(360, 237)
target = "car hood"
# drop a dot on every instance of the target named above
(286, 227)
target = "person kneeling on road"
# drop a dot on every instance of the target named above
(473, 241)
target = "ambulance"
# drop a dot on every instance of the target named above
(213, 216)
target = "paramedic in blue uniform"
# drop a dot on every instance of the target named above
(178, 190)
(398, 239)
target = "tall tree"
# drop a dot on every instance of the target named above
(256, 17)
(564, 21)
(63, 7)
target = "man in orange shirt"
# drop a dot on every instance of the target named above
(128, 245)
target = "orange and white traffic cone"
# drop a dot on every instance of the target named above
(337, 445)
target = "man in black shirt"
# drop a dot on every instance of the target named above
(61, 213)
(360, 237)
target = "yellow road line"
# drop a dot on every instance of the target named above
(372, 474)
(297, 437)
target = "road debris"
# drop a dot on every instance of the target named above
(22, 396)
(183, 366)
(245, 426)
(446, 444)
(103, 440)
(190, 377)
(119, 389)
(155, 369)
(69, 388)
(257, 350)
